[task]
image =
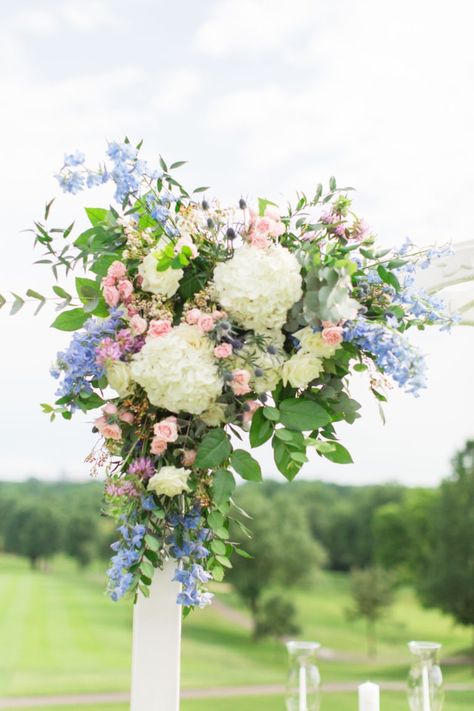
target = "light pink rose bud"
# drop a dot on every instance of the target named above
(138, 325)
(108, 281)
(166, 430)
(117, 270)
(240, 381)
(189, 456)
(273, 212)
(224, 350)
(205, 322)
(111, 295)
(158, 446)
(106, 430)
(332, 335)
(126, 417)
(192, 316)
(109, 409)
(159, 327)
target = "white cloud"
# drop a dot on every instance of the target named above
(177, 91)
(86, 14)
(36, 21)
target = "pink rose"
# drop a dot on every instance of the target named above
(159, 327)
(263, 225)
(277, 228)
(125, 289)
(251, 406)
(158, 446)
(332, 335)
(108, 281)
(187, 242)
(216, 315)
(107, 430)
(189, 456)
(111, 295)
(240, 381)
(109, 409)
(117, 270)
(138, 325)
(224, 350)
(126, 417)
(258, 240)
(166, 430)
(273, 212)
(205, 322)
(192, 316)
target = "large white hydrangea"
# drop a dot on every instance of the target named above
(258, 286)
(164, 283)
(178, 371)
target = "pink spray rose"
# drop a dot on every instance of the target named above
(127, 417)
(138, 324)
(117, 270)
(332, 334)
(224, 350)
(109, 409)
(159, 327)
(107, 430)
(240, 381)
(158, 446)
(166, 430)
(205, 322)
(111, 295)
(125, 289)
(192, 316)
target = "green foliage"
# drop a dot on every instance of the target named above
(302, 414)
(245, 465)
(276, 617)
(214, 450)
(33, 531)
(70, 320)
(223, 486)
(372, 594)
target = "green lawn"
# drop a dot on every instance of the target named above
(60, 634)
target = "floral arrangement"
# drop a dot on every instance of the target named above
(197, 324)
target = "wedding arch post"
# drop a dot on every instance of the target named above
(157, 619)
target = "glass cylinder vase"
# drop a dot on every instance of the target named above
(425, 680)
(303, 686)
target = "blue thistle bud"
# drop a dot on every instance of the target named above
(258, 372)
(272, 350)
(205, 205)
(228, 377)
(210, 223)
(242, 204)
(230, 233)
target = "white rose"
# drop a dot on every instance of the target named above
(312, 342)
(170, 481)
(119, 377)
(161, 283)
(301, 369)
(214, 415)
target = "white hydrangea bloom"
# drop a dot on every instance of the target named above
(178, 370)
(258, 286)
(160, 283)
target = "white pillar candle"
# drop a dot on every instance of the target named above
(369, 697)
(426, 688)
(303, 695)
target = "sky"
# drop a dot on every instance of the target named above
(264, 98)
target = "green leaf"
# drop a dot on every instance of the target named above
(261, 429)
(96, 215)
(90, 295)
(201, 190)
(215, 520)
(62, 293)
(152, 542)
(292, 437)
(178, 164)
(338, 454)
(332, 183)
(36, 295)
(360, 367)
(262, 204)
(245, 465)
(272, 413)
(388, 277)
(218, 547)
(223, 486)
(146, 568)
(70, 320)
(218, 573)
(242, 553)
(214, 449)
(163, 165)
(223, 560)
(301, 414)
(17, 304)
(282, 455)
(3, 301)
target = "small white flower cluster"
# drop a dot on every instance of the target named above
(178, 370)
(257, 287)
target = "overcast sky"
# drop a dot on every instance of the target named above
(263, 97)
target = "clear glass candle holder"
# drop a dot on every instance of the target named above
(304, 680)
(425, 680)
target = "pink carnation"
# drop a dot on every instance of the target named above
(205, 322)
(159, 327)
(138, 324)
(111, 295)
(192, 316)
(158, 446)
(117, 270)
(125, 289)
(224, 350)
(332, 335)
(189, 456)
(240, 381)
(166, 430)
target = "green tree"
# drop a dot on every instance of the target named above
(449, 584)
(372, 594)
(284, 552)
(276, 617)
(33, 530)
(80, 537)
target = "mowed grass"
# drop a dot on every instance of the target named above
(59, 633)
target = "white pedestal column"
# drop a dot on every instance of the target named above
(156, 645)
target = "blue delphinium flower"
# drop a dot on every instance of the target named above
(188, 550)
(392, 352)
(73, 159)
(127, 553)
(71, 181)
(78, 364)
